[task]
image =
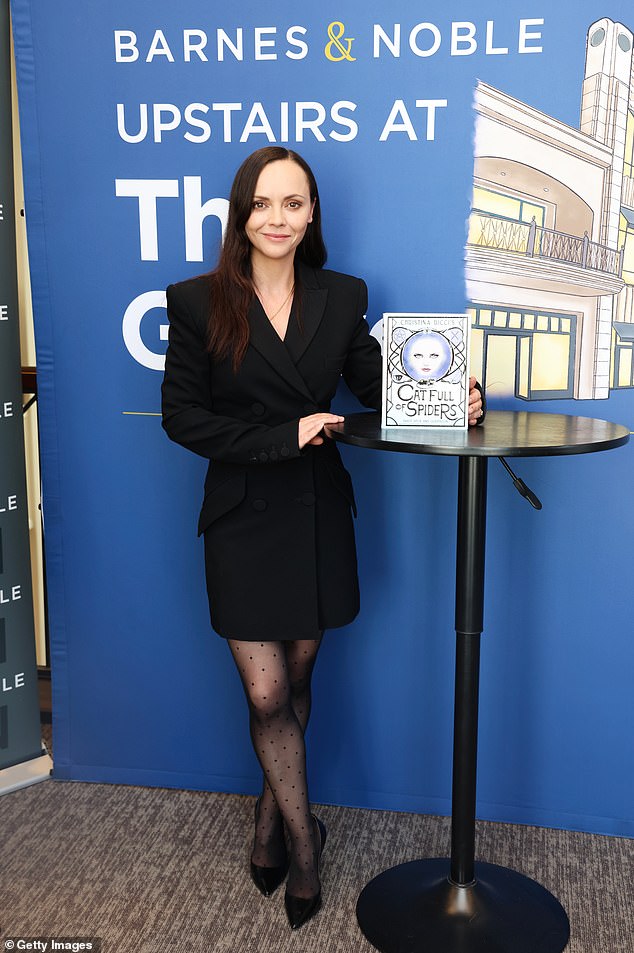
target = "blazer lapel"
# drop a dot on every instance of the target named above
(313, 304)
(265, 339)
(302, 329)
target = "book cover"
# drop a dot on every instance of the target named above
(425, 370)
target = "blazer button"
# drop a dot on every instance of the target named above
(257, 409)
(309, 409)
(308, 499)
(259, 505)
(263, 456)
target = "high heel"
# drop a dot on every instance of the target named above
(268, 879)
(300, 909)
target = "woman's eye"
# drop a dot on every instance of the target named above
(258, 205)
(294, 204)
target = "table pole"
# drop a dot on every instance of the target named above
(472, 494)
(455, 905)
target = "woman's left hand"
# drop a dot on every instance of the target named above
(475, 403)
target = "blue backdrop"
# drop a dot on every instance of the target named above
(127, 133)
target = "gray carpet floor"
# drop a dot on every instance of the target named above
(152, 871)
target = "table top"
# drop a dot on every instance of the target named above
(503, 434)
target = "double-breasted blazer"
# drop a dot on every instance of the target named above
(277, 521)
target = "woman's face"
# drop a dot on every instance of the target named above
(280, 212)
(426, 356)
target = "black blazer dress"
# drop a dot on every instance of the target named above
(280, 554)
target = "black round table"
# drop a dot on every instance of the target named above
(458, 905)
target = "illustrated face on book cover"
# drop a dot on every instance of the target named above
(427, 356)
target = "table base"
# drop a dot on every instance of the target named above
(413, 908)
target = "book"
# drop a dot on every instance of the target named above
(425, 370)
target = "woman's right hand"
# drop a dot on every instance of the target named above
(310, 428)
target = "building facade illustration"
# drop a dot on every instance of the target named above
(550, 248)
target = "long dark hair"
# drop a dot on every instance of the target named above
(231, 281)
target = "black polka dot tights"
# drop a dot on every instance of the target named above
(276, 677)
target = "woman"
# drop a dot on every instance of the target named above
(256, 351)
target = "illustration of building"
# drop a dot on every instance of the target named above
(550, 250)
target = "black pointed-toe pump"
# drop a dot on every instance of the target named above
(300, 909)
(268, 879)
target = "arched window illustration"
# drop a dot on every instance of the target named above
(501, 220)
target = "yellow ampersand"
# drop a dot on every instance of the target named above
(337, 41)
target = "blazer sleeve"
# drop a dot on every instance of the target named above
(187, 411)
(363, 367)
